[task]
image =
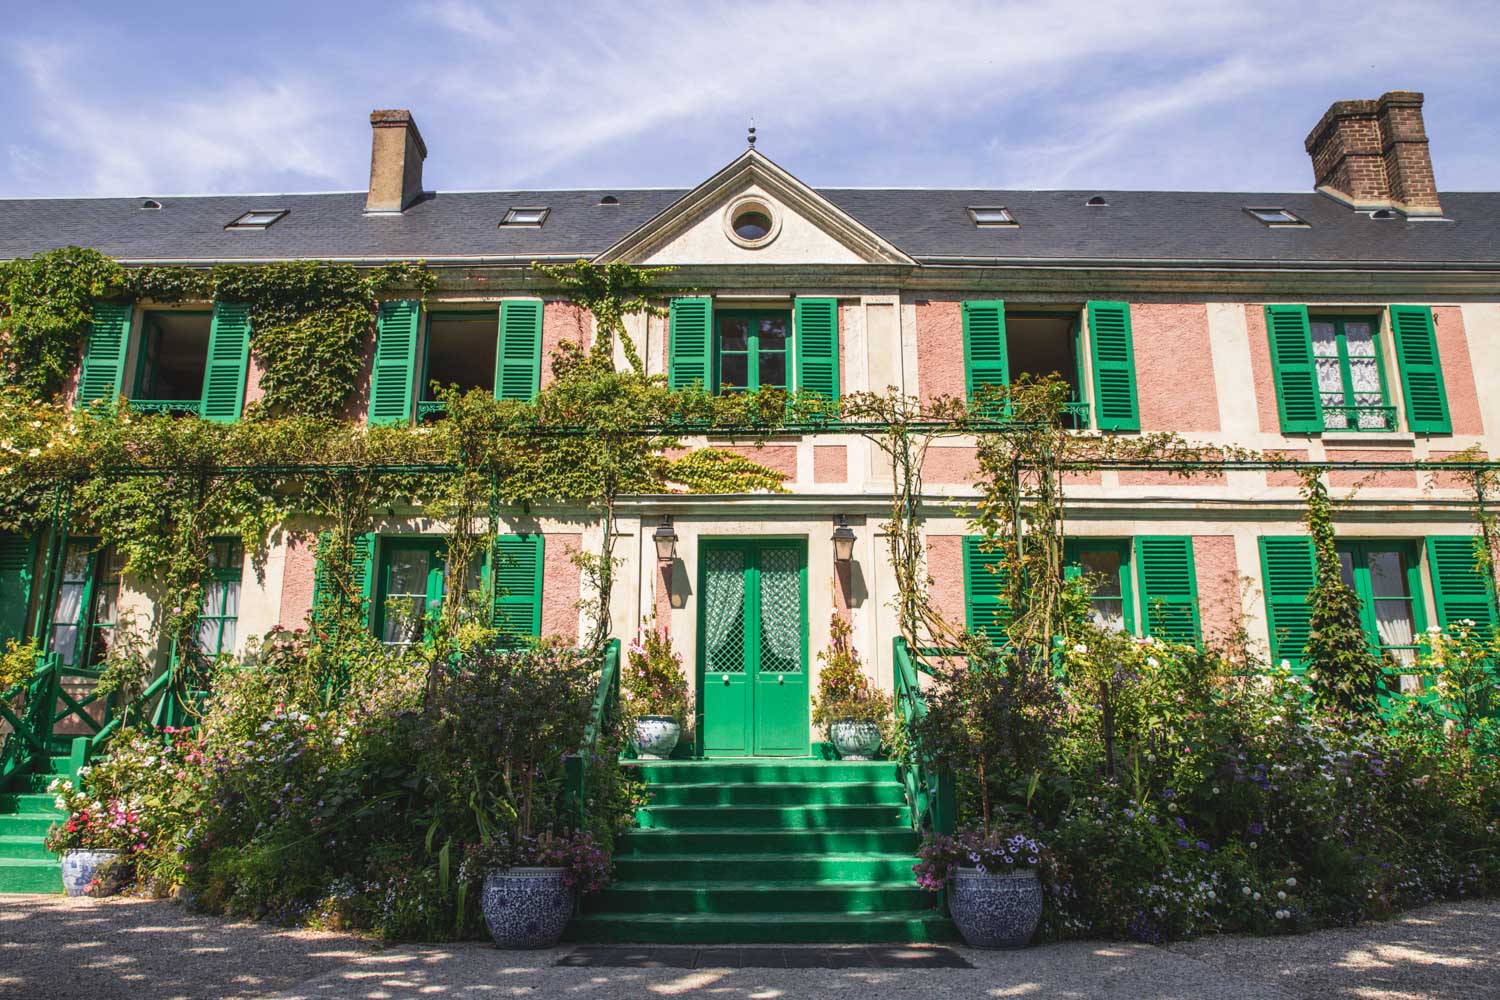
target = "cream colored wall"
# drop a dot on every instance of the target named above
(799, 241)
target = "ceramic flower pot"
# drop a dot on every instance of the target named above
(855, 740)
(526, 907)
(80, 867)
(995, 911)
(656, 736)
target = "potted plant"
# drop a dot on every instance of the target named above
(852, 713)
(655, 694)
(532, 883)
(96, 835)
(995, 889)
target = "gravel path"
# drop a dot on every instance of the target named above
(51, 948)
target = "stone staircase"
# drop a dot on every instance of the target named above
(766, 851)
(27, 812)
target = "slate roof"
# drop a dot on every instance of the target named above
(932, 226)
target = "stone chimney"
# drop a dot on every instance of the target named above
(1373, 155)
(396, 155)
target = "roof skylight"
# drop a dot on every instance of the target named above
(1097, 201)
(992, 215)
(259, 218)
(525, 217)
(1276, 217)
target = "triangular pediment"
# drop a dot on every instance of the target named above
(807, 228)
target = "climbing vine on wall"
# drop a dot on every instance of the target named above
(46, 303)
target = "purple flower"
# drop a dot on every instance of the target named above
(1256, 828)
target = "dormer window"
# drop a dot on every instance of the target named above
(260, 218)
(1277, 218)
(525, 217)
(993, 215)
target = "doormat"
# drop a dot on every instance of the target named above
(764, 957)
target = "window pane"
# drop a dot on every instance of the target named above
(1394, 627)
(231, 599)
(404, 615)
(1359, 340)
(227, 639)
(65, 643)
(734, 370)
(407, 573)
(1108, 613)
(773, 333)
(1387, 574)
(1346, 568)
(69, 603)
(1324, 339)
(773, 370)
(1104, 566)
(208, 636)
(734, 334)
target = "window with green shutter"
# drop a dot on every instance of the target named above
(1415, 337)
(358, 586)
(394, 369)
(1460, 586)
(1298, 400)
(986, 608)
(1106, 562)
(1168, 587)
(459, 349)
(85, 607)
(1351, 378)
(1116, 407)
(171, 364)
(218, 622)
(518, 365)
(816, 336)
(986, 362)
(227, 363)
(102, 374)
(690, 342)
(17, 561)
(1385, 578)
(752, 350)
(516, 564)
(1044, 344)
(1288, 575)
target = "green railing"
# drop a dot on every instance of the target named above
(606, 705)
(189, 406)
(929, 786)
(24, 710)
(1359, 418)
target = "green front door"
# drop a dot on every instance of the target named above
(752, 664)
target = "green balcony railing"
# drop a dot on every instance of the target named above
(1359, 418)
(179, 406)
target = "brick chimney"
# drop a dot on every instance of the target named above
(396, 155)
(1373, 154)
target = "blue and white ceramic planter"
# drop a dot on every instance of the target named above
(656, 736)
(80, 867)
(995, 911)
(526, 907)
(855, 740)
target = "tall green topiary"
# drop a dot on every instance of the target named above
(1345, 673)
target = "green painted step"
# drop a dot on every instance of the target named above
(903, 926)
(769, 817)
(802, 793)
(696, 868)
(14, 825)
(30, 876)
(24, 849)
(738, 840)
(688, 772)
(760, 897)
(29, 803)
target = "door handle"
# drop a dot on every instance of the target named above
(781, 680)
(726, 680)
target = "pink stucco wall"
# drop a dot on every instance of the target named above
(945, 566)
(950, 465)
(940, 349)
(1388, 478)
(1458, 370)
(560, 586)
(777, 457)
(253, 391)
(1260, 368)
(1174, 370)
(562, 321)
(830, 463)
(1287, 478)
(297, 582)
(358, 408)
(1451, 480)
(1219, 607)
(1142, 477)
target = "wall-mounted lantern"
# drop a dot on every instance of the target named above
(666, 540)
(843, 539)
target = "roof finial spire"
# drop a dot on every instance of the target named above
(750, 137)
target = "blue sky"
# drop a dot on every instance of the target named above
(152, 98)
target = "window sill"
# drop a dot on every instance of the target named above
(1381, 439)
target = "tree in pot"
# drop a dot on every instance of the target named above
(994, 880)
(851, 712)
(654, 690)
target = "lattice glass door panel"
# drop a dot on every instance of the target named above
(724, 611)
(780, 611)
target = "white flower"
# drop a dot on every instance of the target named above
(1152, 661)
(1433, 630)
(1280, 894)
(1216, 789)
(1246, 890)
(1256, 896)
(1286, 664)
(1291, 881)
(1080, 648)
(1211, 894)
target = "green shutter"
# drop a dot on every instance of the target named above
(1288, 575)
(228, 362)
(516, 566)
(103, 368)
(395, 366)
(1169, 587)
(518, 356)
(1458, 582)
(362, 575)
(816, 331)
(1116, 407)
(1421, 370)
(985, 360)
(17, 555)
(1298, 400)
(986, 608)
(690, 343)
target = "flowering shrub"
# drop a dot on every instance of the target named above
(653, 682)
(93, 824)
(999, 852)
(845, 692)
